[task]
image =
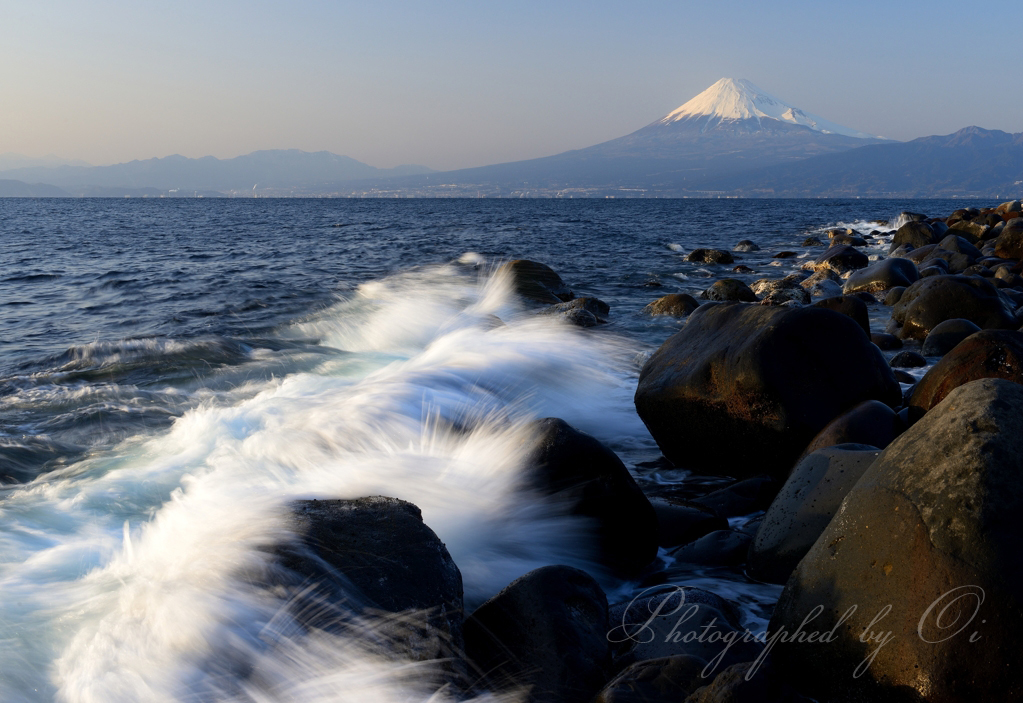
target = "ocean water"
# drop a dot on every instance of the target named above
(174, 372)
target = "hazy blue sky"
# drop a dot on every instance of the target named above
(450, 84)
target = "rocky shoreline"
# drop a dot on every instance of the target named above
(883, 500)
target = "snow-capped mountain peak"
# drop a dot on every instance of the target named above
(738, 99)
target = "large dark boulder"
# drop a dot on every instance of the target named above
(882, 275)
(589, 478)
(986, 354)
(741, 498)
(742, 389)
(536, 282)
(931, 301)
(673, 304)
(546, 631)
(926, 546)
(804, 507)
(374, 554)
(915, 234)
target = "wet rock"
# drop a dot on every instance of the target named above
(973, 229)
(840, 259)
(915, 234)
(933, 271)
(779, 292)
(374, 553)
(882, 275)
(903, 377)
(871, 422)
(908, 360)
(742, 389)
(960, 245)
(819, 277)
(655, 681)
(784, 255)
(850, 306)
(547, 631)
(746, 245)
(894, 295)
(804, 507)
(536, 282)
(682, 523)
(813, 242)
(951, 261)
(946, 335)
(928, 538)
(850, 240)
(673, 304)
(741, 498)
(580, 318)
(682, 613)
(748, 682)
(986, 354)
(596, 307)
(729, 289)
(721, 548)
(710, 256)
(931, 301)
(593, 482)
(886, 342)
(1009, 244)
(741, 268)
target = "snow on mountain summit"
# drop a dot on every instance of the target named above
(738, 99)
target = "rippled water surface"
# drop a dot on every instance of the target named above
(172, 372)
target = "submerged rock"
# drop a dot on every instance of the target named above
(719, 548)
(682, 523)
(746, 245)
(742, 389)
(545, 632)
(926, 546)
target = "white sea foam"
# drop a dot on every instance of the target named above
(120, 579)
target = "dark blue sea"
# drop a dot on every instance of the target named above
(174, 372)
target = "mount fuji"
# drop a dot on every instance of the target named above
(732, 127)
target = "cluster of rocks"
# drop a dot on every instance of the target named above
(891, 530)
(888, 500)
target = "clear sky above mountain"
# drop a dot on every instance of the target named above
(452, 84)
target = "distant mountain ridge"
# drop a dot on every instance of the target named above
(277, 169)
(972, 161)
